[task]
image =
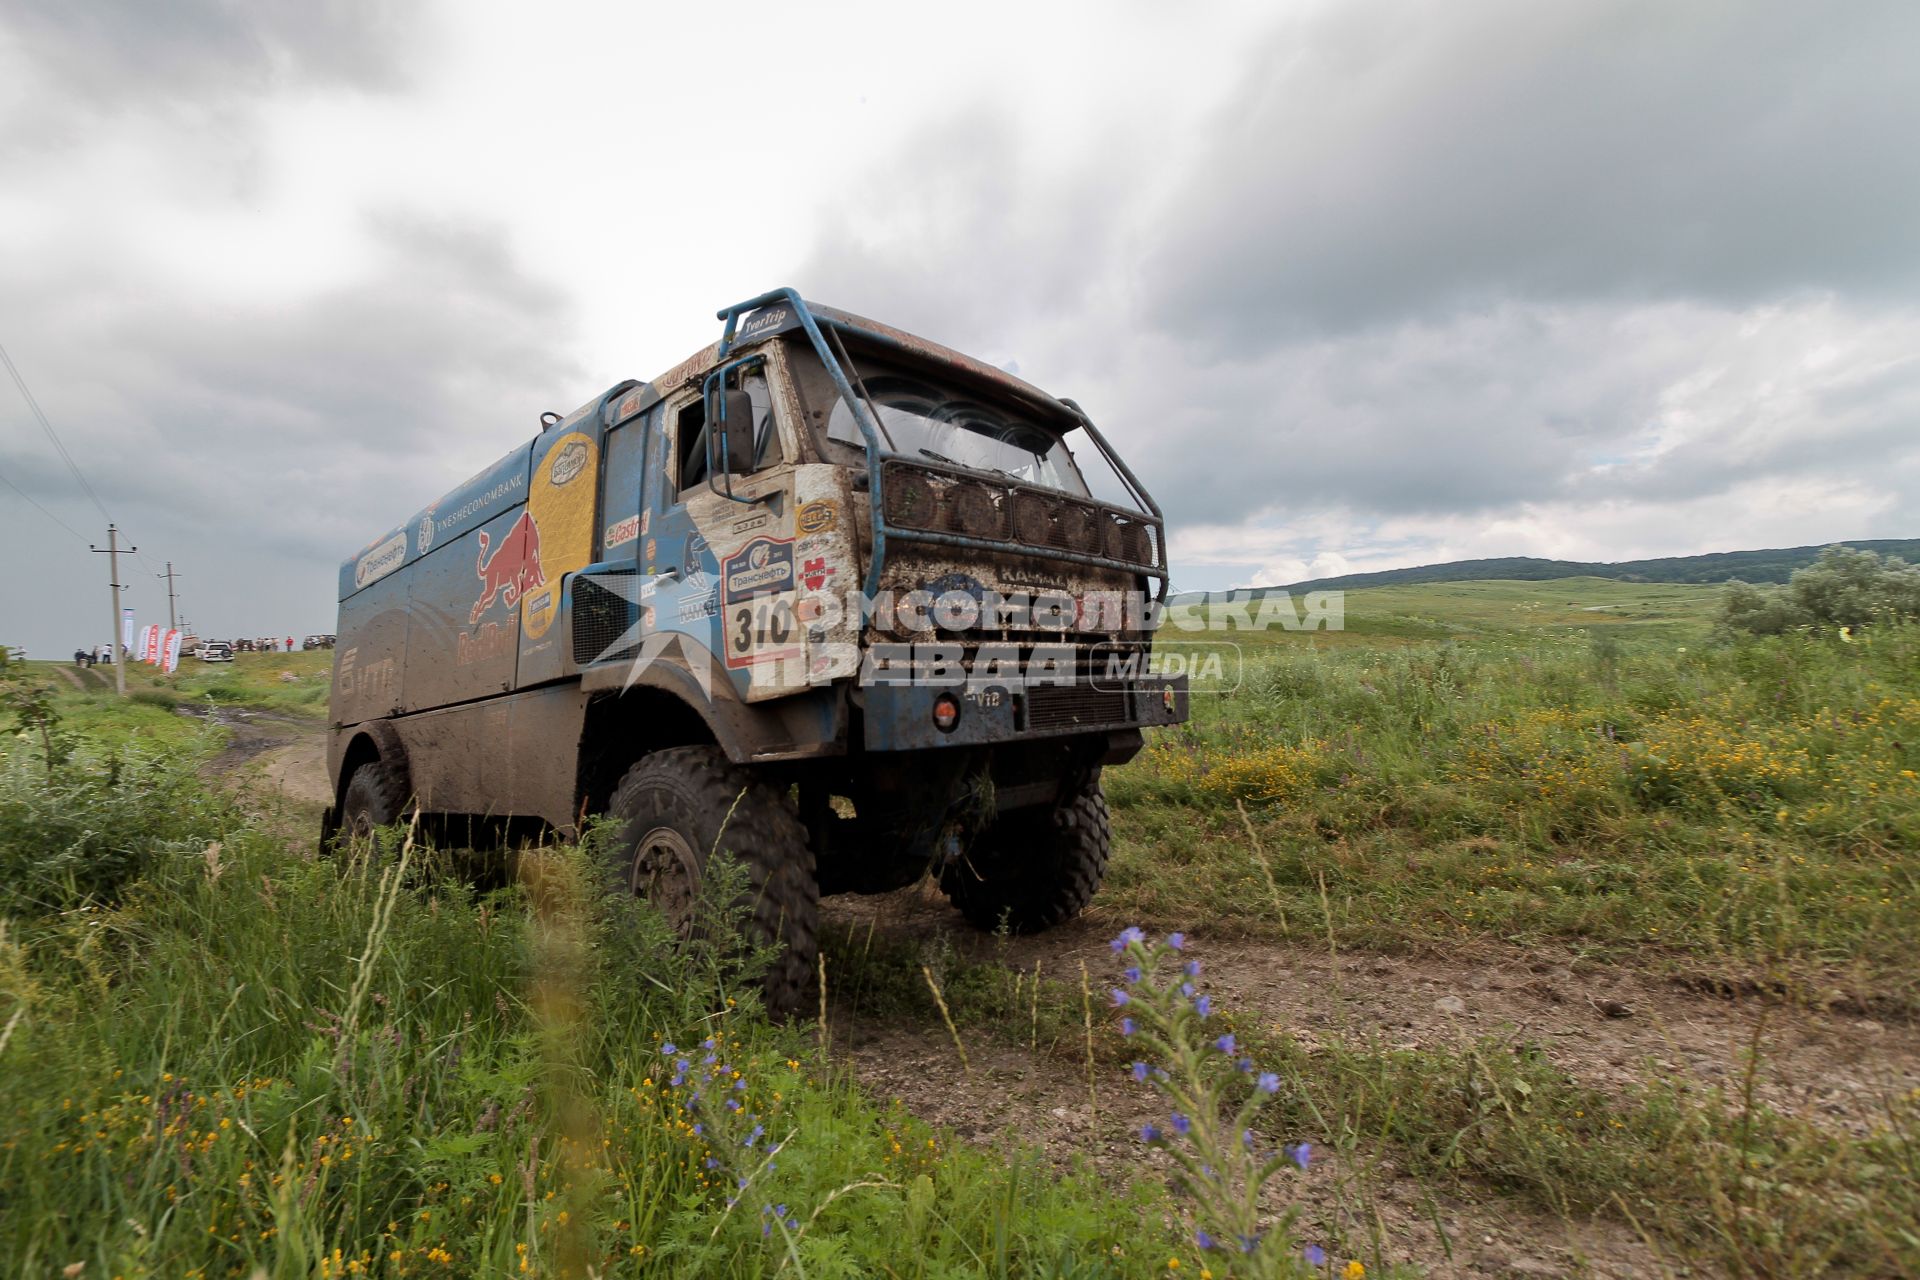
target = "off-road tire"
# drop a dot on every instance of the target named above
(712, 805)
(376, 796)
(1034, 869)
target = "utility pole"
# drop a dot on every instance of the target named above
(169, 575)
(112, 553)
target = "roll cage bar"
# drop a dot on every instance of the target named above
(878, 452)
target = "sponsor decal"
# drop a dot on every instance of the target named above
(752, 522)
(817, 517)
(621, 532)
(483, 645)
(653, 548)
(646, 521)
(815, 573)
(763, 565)
(631, 405)
(512, 570)
(381, 561)
(568, 463)
(760, 322)
(423, 535)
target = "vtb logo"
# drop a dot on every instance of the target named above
(513, 569)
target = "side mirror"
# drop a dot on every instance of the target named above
(735, 430)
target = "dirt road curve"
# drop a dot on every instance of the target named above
(288, 754)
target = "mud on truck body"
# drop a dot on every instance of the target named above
(828, 597)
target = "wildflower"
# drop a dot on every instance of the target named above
(793, 1224)
(1315, 1255)
(1120, 997)
(1139, 1073)
(1245, 1065)
(1178, 941)
(1131, 973)
(1203, 1006)
(1354, 1270)
(1225, 1044)
(1127, 1027)
(1149, 1133)
(1302, 1155)
(1192, 968)
(1202, 1239)
(1128, 936)
(1186, 989)
(1181, 1124)
(667, 1049)
(1246, 1139)
(1268, 1082)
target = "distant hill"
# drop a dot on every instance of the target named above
(1775, 565)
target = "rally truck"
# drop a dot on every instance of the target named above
(831, 599)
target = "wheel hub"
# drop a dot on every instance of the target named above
(663, 873)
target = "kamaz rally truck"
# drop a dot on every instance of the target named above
(826, 597)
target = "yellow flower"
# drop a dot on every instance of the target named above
(1173, 1264)
(1354, 1270)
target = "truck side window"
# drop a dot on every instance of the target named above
(690, 430)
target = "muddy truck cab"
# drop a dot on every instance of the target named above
(830, 598)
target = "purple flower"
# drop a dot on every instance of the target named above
(1127, 1027)
(1120, 997)
(1178, 941)
(1302, 1155)
(740, 1086)
(1186, 989)
(1139, 1073)
(732, 1104)
(1315, 1255)
(1181, 1124)
(1225, 1044)
(707, 1043)
(1245, 1064)
(1203, 1006)
(793, 1224)
(1128, 936)
(779, 1211)
(754, 1136)
(1249, 1243)
(668, 1049)
(1268, 1082)
(1149, 1133)
(1193, 968)
(1202, 1239)
(1246, 1139)
(1131, 973)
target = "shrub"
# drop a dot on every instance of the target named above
(1844, 588)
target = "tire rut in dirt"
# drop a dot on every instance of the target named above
(1035, 871)
(714, 805)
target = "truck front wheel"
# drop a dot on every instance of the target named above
(681, 806)
(1034, 869)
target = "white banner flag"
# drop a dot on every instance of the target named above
(126, 628)
(149, 648)
(171, 652)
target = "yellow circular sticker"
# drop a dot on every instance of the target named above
(561, 503)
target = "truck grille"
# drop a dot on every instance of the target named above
(600, 618)
(1051, 706)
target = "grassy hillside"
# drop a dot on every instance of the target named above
(1774, 565)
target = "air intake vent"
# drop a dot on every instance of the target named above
(602, 618)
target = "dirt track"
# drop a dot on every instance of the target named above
(1605, 1027)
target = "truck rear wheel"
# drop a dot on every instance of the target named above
(682, 805)
(375, 797)
(1034, 869)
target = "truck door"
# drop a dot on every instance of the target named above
(726, 563)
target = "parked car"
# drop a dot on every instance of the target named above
(317, 642)
(216, 651)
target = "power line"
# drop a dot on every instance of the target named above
(42, 510)
(52, 435)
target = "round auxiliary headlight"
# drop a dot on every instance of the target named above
(946, 712)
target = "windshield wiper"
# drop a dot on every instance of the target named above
(966, 466)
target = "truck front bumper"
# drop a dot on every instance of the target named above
(901, 717)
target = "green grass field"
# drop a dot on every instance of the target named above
(217, 1054)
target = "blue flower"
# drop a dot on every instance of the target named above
(1302, 1154)
(712, 1163)
(1245, 1064)
(1268, 1082)
(793, 1224)
(1181, 1124)
(1128, 936)
(668, 1049)
(1178, 941)
(1246, 1139)
(732, 1104)
(779, 1211)
(1249, 1243)
(1203, 1006)
(739, 1086)
(1139, 1073)
(1149, 1133)
(1225, 1044)
(754, 1136)
(1202, 1239)
(1315, 1255)
(699, 1129)
(1192, 968)
(1127, 1027)
(1131, 973)
(1186, 989)
(707, 1043)
(1120, 997)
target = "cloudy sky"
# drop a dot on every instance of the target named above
(1354, 284)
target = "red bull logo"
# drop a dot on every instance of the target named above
(513, 569)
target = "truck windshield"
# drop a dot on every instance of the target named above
(925, 420)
